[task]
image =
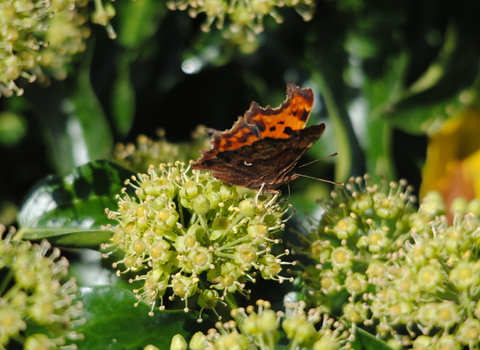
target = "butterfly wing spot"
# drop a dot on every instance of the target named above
(305, 116)
(247, 163)
(273, 128)
(287, 131)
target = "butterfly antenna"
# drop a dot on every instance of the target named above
(322, 180)
(316, 160)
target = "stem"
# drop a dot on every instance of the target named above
(231, 302)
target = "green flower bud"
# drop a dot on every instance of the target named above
(178, 343)
(469, 332)
(355, 312)
(201, 259)
(356, 283)
(198, 341)
(168, 216)
(184, 286)
(342, 258)
(190, 190)
(465, 275)
(329, 282)
(345, 228)
(196, 231)
(361, 202)
(459, 204)
(208, 299)
(201, 204)
(474, 207)
(245, 254)
(299, 329)
(247, 207)
(423, 342)
(270, 266)
(160, 250)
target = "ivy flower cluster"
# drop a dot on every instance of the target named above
(65, 36)
(188, 234)
(241, 20)
(147, 151)
(433, 285)
(31, 295)
(20, 20)
(405, 271)
(362, 223)
(261, 329)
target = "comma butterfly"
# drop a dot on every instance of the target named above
(263, 147)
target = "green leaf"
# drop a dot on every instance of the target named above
(123, 96)
(368, 341)
(140, 20)
(72, 119)
(70, 210)
(114, 322)
(95, 128)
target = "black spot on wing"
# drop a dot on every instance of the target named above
(272, 128)
(304, 116)
(288, 130)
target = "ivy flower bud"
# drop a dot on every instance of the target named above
(184, 286)
(345, 227)
(465, 275)
(469, 332)
(198, 341)
(178, 343)
(245, 255)
(201, 205)
(247, 207)
(430, 277)
(342, 258)
(356, 283)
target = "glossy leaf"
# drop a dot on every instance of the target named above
(96, 131)
(369, 341)
(114, 322)
(70, 210)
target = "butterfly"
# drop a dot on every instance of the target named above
(263, 147)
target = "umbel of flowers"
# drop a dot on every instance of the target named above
(407, 272)
(27, 27)
(261, 329)
(32, 294)
(187, 234)
(244, 18)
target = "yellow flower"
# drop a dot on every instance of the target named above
(453, 159)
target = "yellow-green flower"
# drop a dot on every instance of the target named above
(26, 27)
(398, 268)
(240, 20)
(147, 151)
(32, 294)
(260, 329)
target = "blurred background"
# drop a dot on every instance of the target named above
(395, 82)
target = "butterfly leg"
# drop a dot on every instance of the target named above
(258, 194)
(277, 193)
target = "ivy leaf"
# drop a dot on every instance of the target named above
(368, 341)
(70, 210)
(114, 322)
